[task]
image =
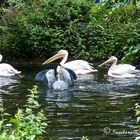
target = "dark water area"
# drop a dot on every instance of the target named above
(99, 107)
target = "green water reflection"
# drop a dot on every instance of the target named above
(97, 106)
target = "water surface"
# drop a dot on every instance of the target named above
(98, 106)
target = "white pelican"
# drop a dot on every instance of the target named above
(65, 78)
(7, 70)
(78, 66)
(121, 70)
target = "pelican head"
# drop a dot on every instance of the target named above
(1, 57)
(60, 54)
(110, 60)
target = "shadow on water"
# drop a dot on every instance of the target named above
(97, 106)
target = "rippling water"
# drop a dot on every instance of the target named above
(99, 107)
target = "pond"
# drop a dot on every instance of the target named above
(98, 106)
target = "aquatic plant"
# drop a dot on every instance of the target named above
(84, 138)
(28, 123)
(137, 109)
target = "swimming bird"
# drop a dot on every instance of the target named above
(120, 70)
(78, 66)
(7, 69)
(65, 78)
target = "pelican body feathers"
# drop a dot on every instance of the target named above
(65, 78)
(7, 70)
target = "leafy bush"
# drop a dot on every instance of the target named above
(118, 30)
(28, 123)
(87, 30)
(132, 46)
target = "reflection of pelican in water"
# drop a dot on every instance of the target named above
(61, 98)
(7, 70)
(65, 79)
(78, 66)
(121, 70)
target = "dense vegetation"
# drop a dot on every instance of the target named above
(38, 28)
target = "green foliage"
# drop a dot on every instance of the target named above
(132, 47)
(28, 123)
(41, 27)
(116, 26)
(84, 138)
(137, 109)
(87, 30)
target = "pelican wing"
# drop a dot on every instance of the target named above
(123, 69)
(8, 70)
(71, 72)
(80, 67)
(47, 77)
(41, 76)
(68, 76)
(78, 64)
(50, 76)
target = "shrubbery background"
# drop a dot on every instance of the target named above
(90, 31)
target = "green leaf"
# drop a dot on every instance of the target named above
(13, 120)
(138, 119)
